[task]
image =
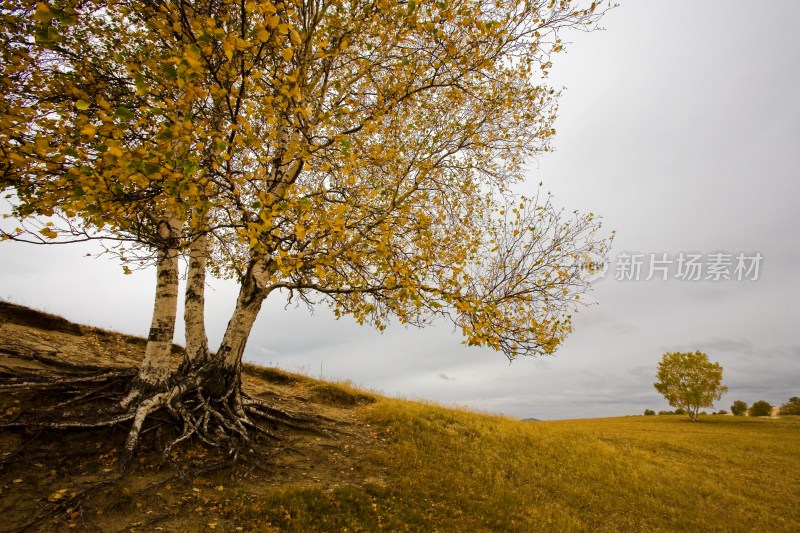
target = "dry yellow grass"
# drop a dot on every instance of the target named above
(452, 470)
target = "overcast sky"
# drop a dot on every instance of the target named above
(680, 125)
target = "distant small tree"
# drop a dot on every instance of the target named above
(721, 412)
(739, 408)
(689, 381)
(649, 412)
(761, 408)
(678, 411)
(792, 407)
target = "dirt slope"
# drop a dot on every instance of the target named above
(54, 480)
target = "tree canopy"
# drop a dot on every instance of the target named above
(760, 408)
(365, 153)
(792, 407)
(688, 380)
(739, 408)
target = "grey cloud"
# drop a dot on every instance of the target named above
(721, 345)
(622, 328)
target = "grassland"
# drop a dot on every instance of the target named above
(451, 470)
(381, 464)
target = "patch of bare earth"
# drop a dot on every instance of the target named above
(54, 479)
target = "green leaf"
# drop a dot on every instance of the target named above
(42, 36)
(189, 166)
(170, 72)
(151, 168)
(83, 105)
(124, 113)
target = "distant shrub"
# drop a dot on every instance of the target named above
(739, 408)
(792, 407)
(721, 412)
(678, 411)
(649, 412)
(761, 408)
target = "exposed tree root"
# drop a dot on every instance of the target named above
(223, 423)
(197, 405)
(282, 417)
(99, 378)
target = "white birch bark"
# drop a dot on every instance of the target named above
(156, 364)
(194, 303)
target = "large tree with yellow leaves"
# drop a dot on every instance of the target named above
(361, 153)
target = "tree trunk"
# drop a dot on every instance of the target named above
(155, 368)
(248, 304)
(194, 306)
(206, 391)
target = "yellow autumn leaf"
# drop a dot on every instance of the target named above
(43, 13)
(193, 63)
(57, 495)
(89, 130)
(287, 54)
